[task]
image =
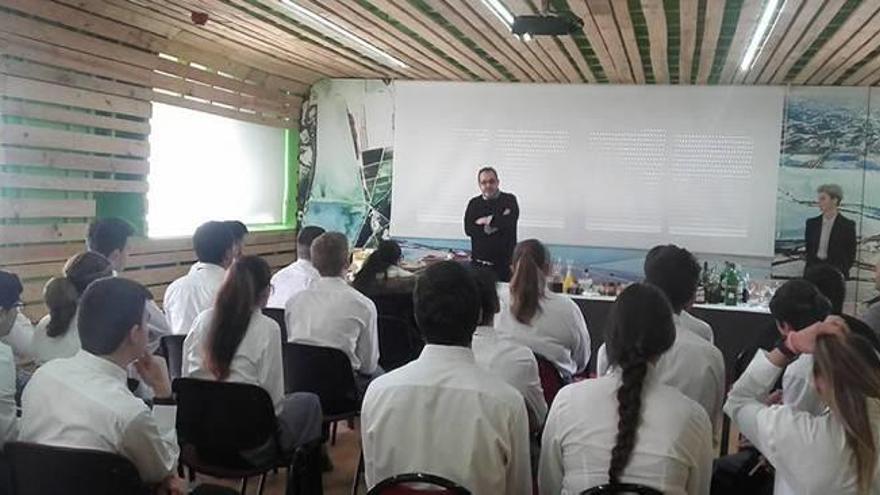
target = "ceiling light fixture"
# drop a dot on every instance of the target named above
(504, 15)
(342, 35)
(770, 15)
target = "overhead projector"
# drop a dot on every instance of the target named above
(547, 25)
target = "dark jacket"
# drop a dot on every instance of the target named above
(841, 244)
(496, 248)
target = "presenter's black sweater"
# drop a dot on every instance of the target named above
(497, 247)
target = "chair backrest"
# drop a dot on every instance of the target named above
(44, 470)
(219, 421)
(323, 371)
(418, 484)
(278, 315)
(171, 348)
(551, 379)
(399, 342)
(622, 489)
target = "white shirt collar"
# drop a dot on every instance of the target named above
(448, 354)
(101, 365)
(202, 266)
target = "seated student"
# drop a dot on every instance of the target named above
(10, 300)
(628, 427)
(83, 401)
(234, 341)
(816, 455)
(109, 237)
(693, 365)
(330, 313)
(442, 413)
(549, 324)
(56, 335)
(239, 233)
(17, 330)
(193, 293)
(831, 283)
(298, 275)
(381, 271)
(512, 362)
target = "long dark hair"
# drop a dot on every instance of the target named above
(528, 284)
(62, 293)
(640, 329)
(387, 254)
(243, 289)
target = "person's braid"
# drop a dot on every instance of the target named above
(629, 408)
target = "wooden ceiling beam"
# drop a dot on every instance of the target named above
(749, 15)
(860, 55)
(815, 28)
(776, 40)
(597, 43)
(603, 14)
(860, 27)
(711, 31)
(864, 73)
(688, 13)
(628, 33)
(564, 69)
(655, 16)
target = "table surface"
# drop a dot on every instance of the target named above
(745, 308)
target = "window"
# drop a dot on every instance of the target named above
(205, 167)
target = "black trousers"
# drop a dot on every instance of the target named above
(501, 268)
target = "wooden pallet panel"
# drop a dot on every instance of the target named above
(40, 208)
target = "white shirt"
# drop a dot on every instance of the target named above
(291, 280)
(692, 365)
(84, 402)
(558, 332)
(21, 339)
(191, 294)
(445, 415)
(47, 348)
(515, 364)
(673, 450)
(257, 360)
(798, 389)
(332, 314)
(697, 326)
(809, 452)
(825, 237)
(8, 409)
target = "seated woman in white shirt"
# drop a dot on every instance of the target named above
(381, 272)
(56, 335)
(627, 427)
(835, 452)
(235, 342)
(549, 324)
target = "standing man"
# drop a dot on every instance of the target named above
(831, 237)
(490, 221)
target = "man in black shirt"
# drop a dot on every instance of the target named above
(490, 222)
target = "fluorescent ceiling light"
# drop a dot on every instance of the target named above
(504, 15)
(340, 34)
(760, 34)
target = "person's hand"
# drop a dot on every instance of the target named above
(774, 398)
(172, 485)
(484, 220)
(804, 341)
(153, 370)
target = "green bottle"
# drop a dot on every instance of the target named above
(731, 284)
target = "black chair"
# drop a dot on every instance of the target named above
(399, 342)
(400, 485)
(278, 315)
(229, 430)
(171, 348)
(621, 489)
(45, 470)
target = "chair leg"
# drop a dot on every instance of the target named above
(357, 473)
(262, 484)
(333, 432)
(244, 486)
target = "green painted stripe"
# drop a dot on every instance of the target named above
(832, 27)
(732, 10)
(643, 39)
(673, 38)
(861, 63)
(698, 48)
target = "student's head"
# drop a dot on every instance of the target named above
(304, 240)
(829, 197)
(639, 330)
(676, 272)
(62, 294)
(109, 237)
(487, 178)
(487, 283)
(112, 318)
(846, 372)
(798, 304)
(387, 254)
(830, 282)
(530, 265)
(10, 300)
(447, 304)
(213, 243)
(239, 232)
(245, 289)
(330, 254)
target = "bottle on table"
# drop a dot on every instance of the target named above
(731, 285)
(569, 282)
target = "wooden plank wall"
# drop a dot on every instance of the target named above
(76, 96)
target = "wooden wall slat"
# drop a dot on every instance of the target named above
(38, 208)
(29, 89)
(32, 181)
(53, 75)
(57, 114)
(72, 161)
(38, 137)
(31, 234)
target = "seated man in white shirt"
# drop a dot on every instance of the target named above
(692, 365)
(10, 300)
(94, 408)
(239, 236)
(443, 413)
(295, 277)
(16, 331)
(193, 293)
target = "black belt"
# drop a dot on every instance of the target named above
(481, 262)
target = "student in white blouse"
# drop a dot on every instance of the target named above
(56, 335)
(835, 452)
(628, 427)
(95, 409)
(443, 413)
(234, 341)
(330, 313)
(549, 324)
(298, 275)
(693, 365)
(193, 293)
(10, 300)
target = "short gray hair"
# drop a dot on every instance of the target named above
(832, 190)
(330, 254)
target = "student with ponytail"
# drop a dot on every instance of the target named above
(835, 452)
(233, 341)
(627, 427)
(549, 324)
(56, 335)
